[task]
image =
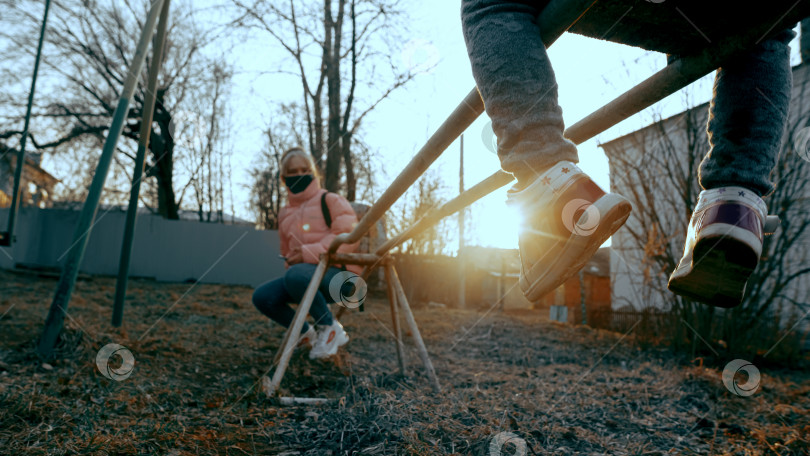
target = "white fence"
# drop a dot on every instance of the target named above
(165, 250)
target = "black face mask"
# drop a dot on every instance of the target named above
(298, 184)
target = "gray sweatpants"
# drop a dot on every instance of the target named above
(747, 115)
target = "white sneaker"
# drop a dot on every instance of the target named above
(723, 246)
(308, 338)
(566, 218)
(330, 338)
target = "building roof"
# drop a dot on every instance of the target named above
(10, 155)
(606, 146)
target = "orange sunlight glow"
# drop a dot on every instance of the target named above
(493, 224)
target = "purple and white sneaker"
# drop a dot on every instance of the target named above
(723, 246)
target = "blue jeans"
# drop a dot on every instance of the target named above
(272, 298)
(747, 116)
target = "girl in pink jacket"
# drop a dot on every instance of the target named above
(305, 234)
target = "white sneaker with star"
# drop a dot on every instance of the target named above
(566, 218)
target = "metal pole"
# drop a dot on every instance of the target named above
(137, 174)
(417, 337)
(502, 284)
(392, 300)
(462, 117)
(461, 277)
(61, 299)
(291, 337)
(7, 238)
(476, 192)
(582, 297)
(669, 80)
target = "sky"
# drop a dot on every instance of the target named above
(589, 72)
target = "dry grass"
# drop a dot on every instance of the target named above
(194, 390)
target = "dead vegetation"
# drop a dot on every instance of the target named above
(200, 354)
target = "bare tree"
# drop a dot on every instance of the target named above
(204, 142)
(266, 190)
(85, 58)
(333, 44)
(414, 205)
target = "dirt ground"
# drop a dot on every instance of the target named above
(200, 352)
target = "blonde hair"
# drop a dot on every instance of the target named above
(299, 152)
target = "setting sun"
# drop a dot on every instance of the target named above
(491, 223)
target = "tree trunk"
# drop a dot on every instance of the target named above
(167, 207)
(332, 63)
(351, 178)
(162, 148)
(317, 148)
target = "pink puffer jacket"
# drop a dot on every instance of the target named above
(301, 224)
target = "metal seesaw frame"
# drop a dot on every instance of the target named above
(557, 17)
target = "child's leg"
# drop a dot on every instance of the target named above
(516, 81)
(566, 215)
(747, 120)
(747, 117)
(296, 281)
(272, 300)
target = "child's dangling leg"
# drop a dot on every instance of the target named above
(747, 119)
(567, 216)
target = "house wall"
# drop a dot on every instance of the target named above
(597, 297)
(166, 250)
(511, 295)
(636, 284)
(43, 181)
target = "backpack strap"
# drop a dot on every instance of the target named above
(327, 216)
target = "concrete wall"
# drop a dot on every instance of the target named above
(166, 250)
